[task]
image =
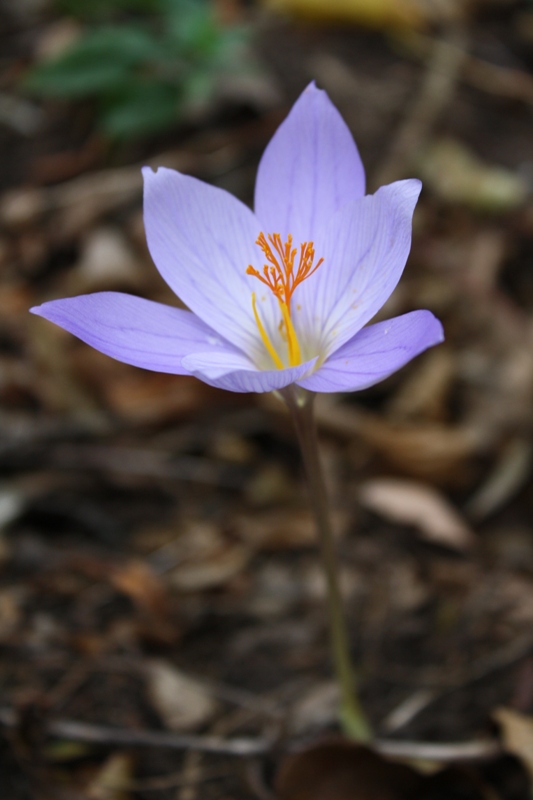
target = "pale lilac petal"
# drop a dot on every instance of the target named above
(133, 330)
(236, 373)
(309, 170)
(202, 240)
(365, 250)
(375, 353)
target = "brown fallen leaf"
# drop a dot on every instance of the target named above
(107, 261)
(201, 557)
(431, 451)
(508, 476)
(141, 396)
(337, 769)
(112, 779)
(413, 503)
(517, 735)
(317, 709)
(283, 530)
(424, 393)
(57, 37)
(457, 175)
(182, 702)
(374, 13)
(136, 580)
(213, 571)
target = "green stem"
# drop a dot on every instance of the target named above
(353, 720)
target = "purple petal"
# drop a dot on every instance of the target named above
(309, 170)
(236, 373)
(202, 240)
(365, 251)
(133, 330)
(376, 352)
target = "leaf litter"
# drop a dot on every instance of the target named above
(156, 556)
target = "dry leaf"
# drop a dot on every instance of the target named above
(21, 208)
(508, 476)
(429, 451)
(411, 503)
(517, 734)
(182, 702)
(337, 769)
(277, 530)
(141, 396)
(424, 393)
(284, 530)
(317, 709)
(374, 13)
(136, 580)
(215, 570)
(56, 38)
(201, 557)
(11, 601)
(457, 175)
(107, 261)
(112, 779)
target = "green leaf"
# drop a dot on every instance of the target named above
(198, 88)
(99, 62)
(191, 27)
(140, 110)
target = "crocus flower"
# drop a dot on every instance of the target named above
(277, 296)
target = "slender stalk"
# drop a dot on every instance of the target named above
(353, 720)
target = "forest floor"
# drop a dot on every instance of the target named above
(158, 562)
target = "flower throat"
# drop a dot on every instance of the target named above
(281, 277)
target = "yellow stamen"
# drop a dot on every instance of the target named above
(264, 336)
(282, 279)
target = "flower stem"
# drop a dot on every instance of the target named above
(352, 718)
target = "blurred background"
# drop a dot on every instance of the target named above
(157, 557)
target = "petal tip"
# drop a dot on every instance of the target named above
(312, 87)
(440, 336)
(434, 329)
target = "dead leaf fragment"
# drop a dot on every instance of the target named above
(508, 476)
(517, 734)
(203, 558)
(316, 709)
(337, 769)
(431, 451)
(136, 580)
(182, 702)
(374, 13)
(107, 261)
(457, 175)
(213, 571)
(413, 503)
(112, 779)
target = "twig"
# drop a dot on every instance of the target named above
(143, 462)
(452, 751)
(173, 780)
(506, 82)
(445, 60)
(125, 737)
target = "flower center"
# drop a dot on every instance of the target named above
(282, 277)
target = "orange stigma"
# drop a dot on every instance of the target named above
(279, 274)
(281, 277)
